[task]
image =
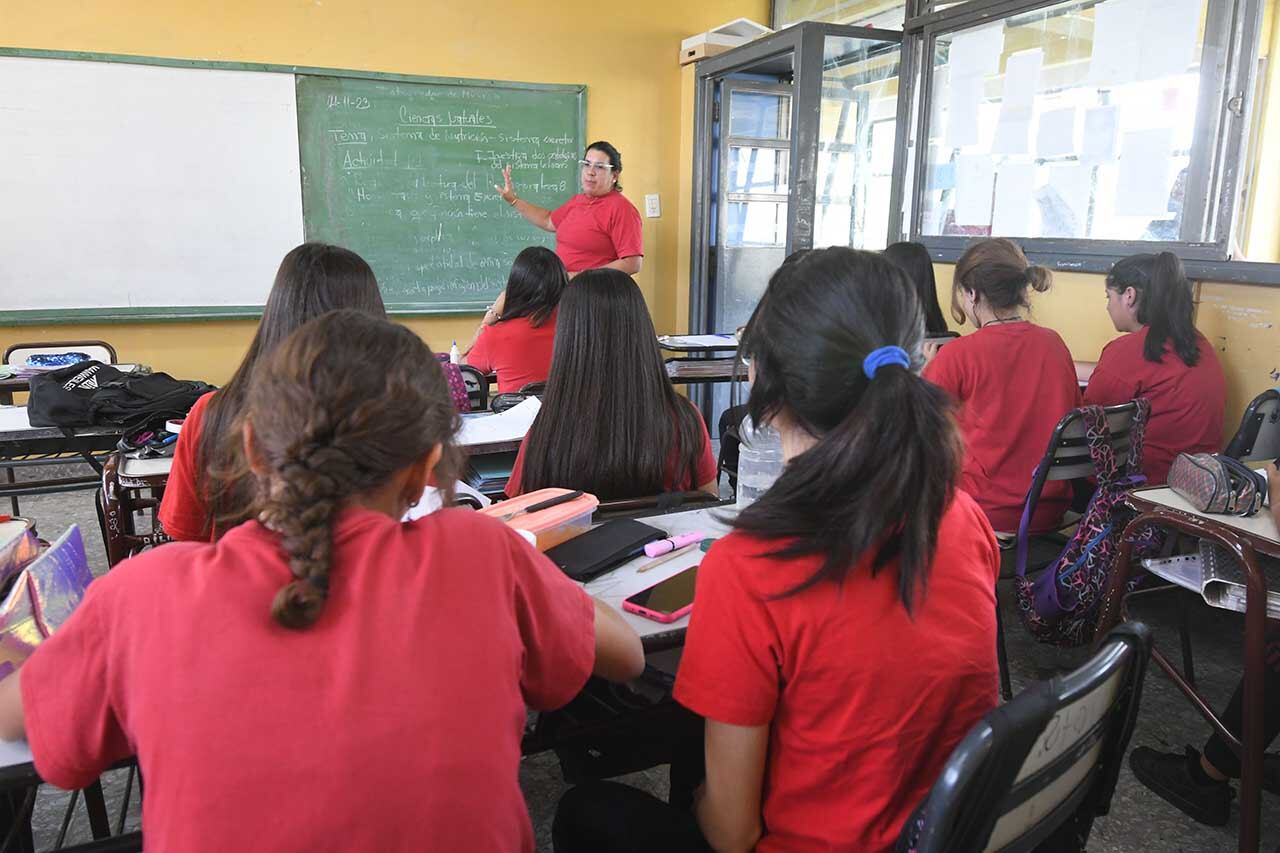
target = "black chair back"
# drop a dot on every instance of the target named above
(1034, 773)
(477, 385)
(1068, 450)
(1258, 437)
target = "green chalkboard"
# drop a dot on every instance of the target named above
(403, 173)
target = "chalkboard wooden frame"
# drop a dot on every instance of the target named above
(122, 314)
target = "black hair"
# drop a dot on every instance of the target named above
(615, 159)
(842, 499)
(611, 422)
(534, 286)
(915, 261)
(1164, 303)
(313, 278)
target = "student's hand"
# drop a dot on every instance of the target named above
(493, 313)
(507, 192)
(930, 350)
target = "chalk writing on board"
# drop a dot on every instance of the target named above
(403, 174)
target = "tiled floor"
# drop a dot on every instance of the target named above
(1139, 821)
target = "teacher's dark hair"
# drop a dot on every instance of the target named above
(324, 429)
(615, 159)
(1164, 303)
(611, 423)
(534, 286)
(887, 457)
(914, 260)
(313, 278)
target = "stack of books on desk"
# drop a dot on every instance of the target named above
(1218, 576)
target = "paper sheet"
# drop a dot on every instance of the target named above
(1169, 33)
(698, 340)
(1014, 193)
(14, 418)
(1056, 135)
(975, 175)
(964, 94)
(976, 51)
(1021, 81)
(1143, 185)
(511, 425)
(1117, 48)
(1101, 136)
(431, 500)
(1064, 201)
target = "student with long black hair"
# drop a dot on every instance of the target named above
(516, 341)
(611, 423)
(1162, 357)
(915, 261)
(313, 278)
(843, 635)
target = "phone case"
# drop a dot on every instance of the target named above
(606, 547)
(664, 618)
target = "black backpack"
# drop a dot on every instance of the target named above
(95, 394)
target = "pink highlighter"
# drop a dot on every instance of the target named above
(665, 546)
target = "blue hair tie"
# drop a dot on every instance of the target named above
(878, 358)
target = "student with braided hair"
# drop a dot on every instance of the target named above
(324, 675)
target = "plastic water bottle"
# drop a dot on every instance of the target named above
(454, 356)
(759, 461)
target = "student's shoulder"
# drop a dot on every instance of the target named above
(1124, 347)
(152, 569)
(476, 533)
(964, 517)
(198, 409)
(750, 562)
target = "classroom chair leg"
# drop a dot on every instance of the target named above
(1184, 634)
(95, 803)
(1002, 655)
(13, 499)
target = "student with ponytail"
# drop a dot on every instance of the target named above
(1161, 357)
(324, 675)
(843, 635)
(1012, 380)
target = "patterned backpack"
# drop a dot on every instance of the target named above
(457, 385)
(1060, 606)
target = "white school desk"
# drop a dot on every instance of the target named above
(1247, 538)
(613, 587)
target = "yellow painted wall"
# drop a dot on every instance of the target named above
(626, 54)
(1242, 321)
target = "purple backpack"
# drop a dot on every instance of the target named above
(457, 386)
(1060, 606)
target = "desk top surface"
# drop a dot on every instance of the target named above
(1260, 528)
(15, 425)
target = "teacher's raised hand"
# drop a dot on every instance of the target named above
(507, 192)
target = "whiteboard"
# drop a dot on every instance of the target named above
(135, 186)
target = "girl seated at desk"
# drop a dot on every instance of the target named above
(611, 423)
(914, 260)
(324, 676)
(313, 278)
(843, 635)
(1013, 381)
(1164, 358)
(515, 341)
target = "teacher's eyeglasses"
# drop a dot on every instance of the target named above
(588, 166)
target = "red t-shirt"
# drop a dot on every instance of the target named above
(393, 722)
(519, 352)
(184, 512)
(1013, 383)
(863, 702)
(703, 472)
(592, 231)
(1187, 403)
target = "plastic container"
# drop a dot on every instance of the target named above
(759, 461)
(454, 355)
(550, 526)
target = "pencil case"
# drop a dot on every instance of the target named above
(550, 526)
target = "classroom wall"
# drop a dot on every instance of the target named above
(626, 54)
(1240, 320)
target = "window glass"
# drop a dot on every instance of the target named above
(888, 14)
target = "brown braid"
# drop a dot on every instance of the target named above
(324, 430)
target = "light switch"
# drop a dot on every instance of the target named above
(652, 206)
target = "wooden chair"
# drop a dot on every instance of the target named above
(129, 488)
(1258, 437)
(1036, 772)
(102, 351)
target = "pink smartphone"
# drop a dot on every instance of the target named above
(665, 601)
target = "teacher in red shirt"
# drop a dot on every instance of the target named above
(598, 228)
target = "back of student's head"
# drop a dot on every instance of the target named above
(832, 343)
(610, 419)
(1164, 303)
(914, 260)
(313, 278)
(535, 285)
(335, 410)
(999, 275)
